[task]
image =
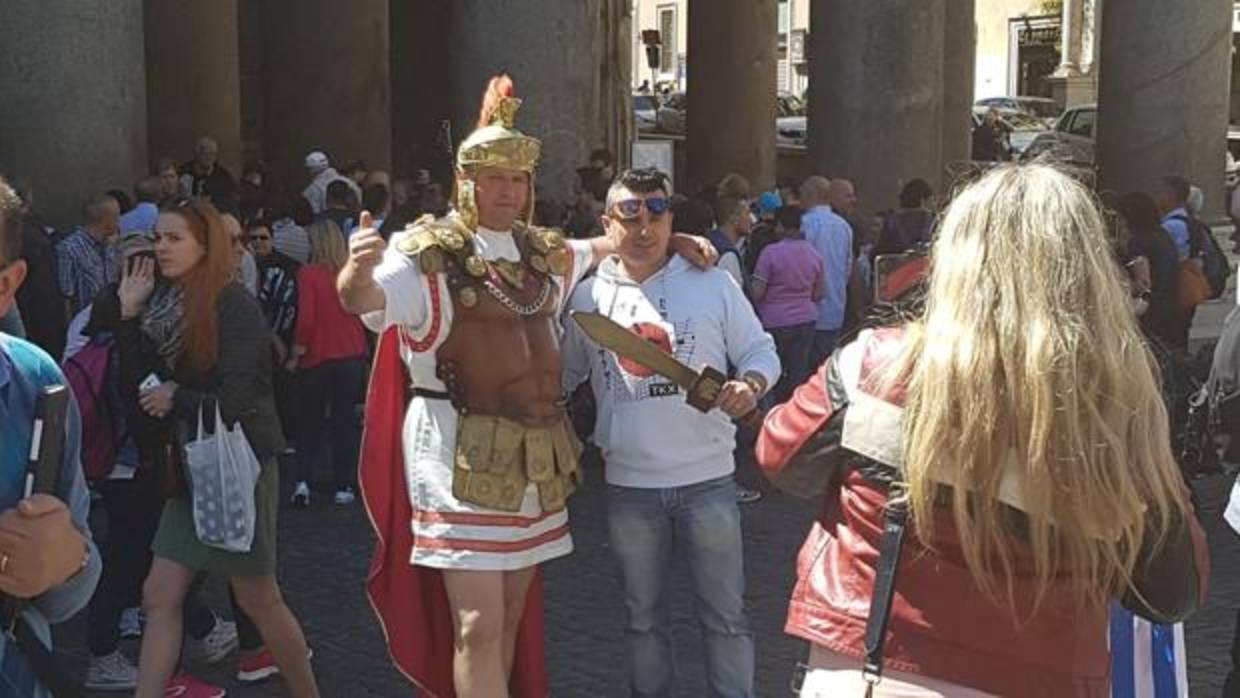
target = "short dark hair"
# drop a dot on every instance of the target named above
(355, 166)
(646, 180)
(915, 193)
(789, 217)
(123, 200)
(602, 155)
(1177, 186)
(691, 215)
(10, 223)
(375, 198)
(338, 190)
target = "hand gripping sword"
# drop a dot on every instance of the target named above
(701, 387)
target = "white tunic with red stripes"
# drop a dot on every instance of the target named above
(449, 533)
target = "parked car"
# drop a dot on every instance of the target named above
(790, 131)
(671, 113)
(1022, 129)
(1071, 140)
(1232, 178)
(645, 112)
(1047, 110)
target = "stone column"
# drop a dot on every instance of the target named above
(73, 112)
(553, 49)
(193, 78)
(1070, 56)
(876, 93)
(1164, 88)
(959, 61)
(730, 121)
(327, 84)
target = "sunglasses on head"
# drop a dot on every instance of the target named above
(632, 208)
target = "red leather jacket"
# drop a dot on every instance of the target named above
(941, 625)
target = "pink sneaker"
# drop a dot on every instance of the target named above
(260, 667)
(257, 667)
(186, 686)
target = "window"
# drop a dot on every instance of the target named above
(1083, 123)
(667, 34)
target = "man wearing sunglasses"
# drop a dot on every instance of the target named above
(479, 462)
(669, 466)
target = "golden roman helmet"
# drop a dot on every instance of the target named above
(495, 143)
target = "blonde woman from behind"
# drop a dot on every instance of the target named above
(1017, 420)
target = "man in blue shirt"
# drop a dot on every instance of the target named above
(142, 217)
(831, 236)
(46, 553)
(1172, 200)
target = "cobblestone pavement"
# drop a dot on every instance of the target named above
(324, 553)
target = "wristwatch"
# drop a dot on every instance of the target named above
(757, 385)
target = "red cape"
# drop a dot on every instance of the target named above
(410, 600)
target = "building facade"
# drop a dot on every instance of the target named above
(671, 19)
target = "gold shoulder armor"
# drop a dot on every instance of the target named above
(429, 240)
(546, 240)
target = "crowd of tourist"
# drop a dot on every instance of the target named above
(1014, 421)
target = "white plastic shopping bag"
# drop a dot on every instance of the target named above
(1232, 513)
(223, 472)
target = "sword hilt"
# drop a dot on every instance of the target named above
(705, 392)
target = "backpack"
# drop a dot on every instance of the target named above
(1203, 245)
(1212, 408)
(89, 374)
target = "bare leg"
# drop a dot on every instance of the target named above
(261, 600)
(477, 602)
(516, 590)
(163, 594)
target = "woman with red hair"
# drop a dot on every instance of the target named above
(214, 340)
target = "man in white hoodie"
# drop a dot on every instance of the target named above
(669, 466)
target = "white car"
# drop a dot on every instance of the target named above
(645, 112)
(1041, 108)
(1072, 139)
(790, 131)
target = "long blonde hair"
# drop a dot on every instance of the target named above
(1026, 373)
(327, 244)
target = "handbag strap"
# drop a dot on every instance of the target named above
(894, 526)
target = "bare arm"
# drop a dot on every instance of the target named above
(757, 289)
(359, 293)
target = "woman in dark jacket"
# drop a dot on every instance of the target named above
(1163, 319)
(217, 342)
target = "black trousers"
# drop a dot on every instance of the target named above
(333, 387)
(133, 508)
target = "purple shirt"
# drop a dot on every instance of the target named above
(792, 269)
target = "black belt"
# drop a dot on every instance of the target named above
(431, 394)
(884, 587)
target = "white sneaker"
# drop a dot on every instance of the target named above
(301, 495)
(130, 625)
(217, 645)
(111, 672)
(345, 496)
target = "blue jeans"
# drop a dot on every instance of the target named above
(824, 346)
(649, 528)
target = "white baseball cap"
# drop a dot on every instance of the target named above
(317, 159)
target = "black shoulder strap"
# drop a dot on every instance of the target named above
(884, 587)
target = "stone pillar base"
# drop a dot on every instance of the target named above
(1074, 90)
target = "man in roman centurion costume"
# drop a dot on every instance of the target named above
(468, 455)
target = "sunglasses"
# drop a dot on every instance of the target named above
(629, 209)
